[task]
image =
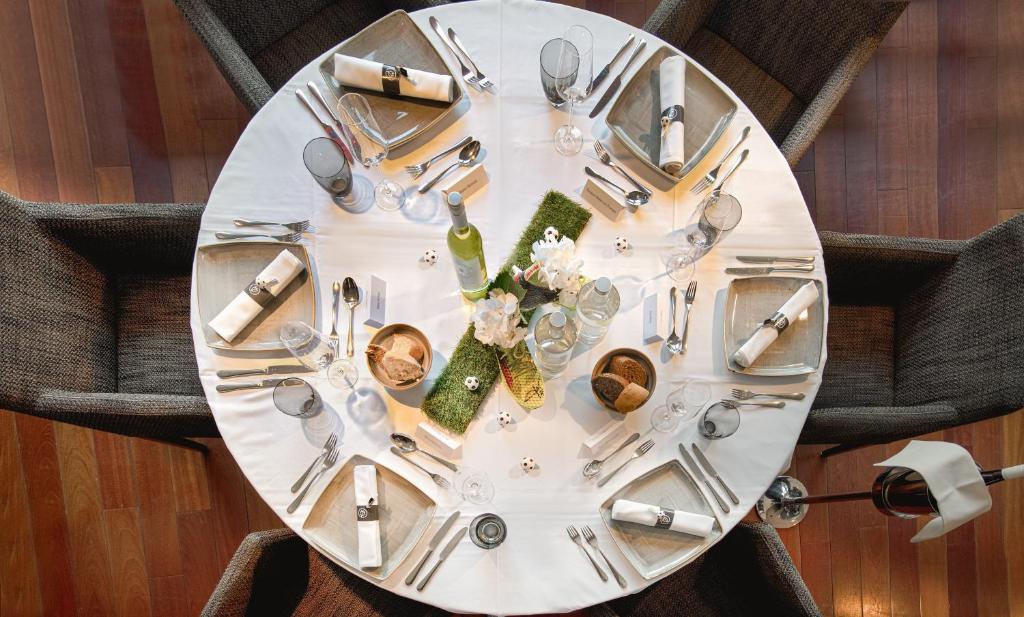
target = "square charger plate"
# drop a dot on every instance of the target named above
(635, 117)
(749, 301)
(405, 513)
(654, 551)
(395, 39)
(222, 272)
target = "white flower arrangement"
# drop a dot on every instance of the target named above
(497, 320)
(558, 266)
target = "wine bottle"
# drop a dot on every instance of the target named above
(902, 491)
(467, 249)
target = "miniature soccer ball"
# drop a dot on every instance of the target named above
(621, 244)
(504, 418)
(472, 383)
(528, 464)
(429, 257)
(551, 234)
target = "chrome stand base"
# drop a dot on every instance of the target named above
(772, 510)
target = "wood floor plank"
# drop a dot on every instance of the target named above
(128, 562)
(188, 470)
(904, 579)
(844, 536)
(961, 562)
(156, 507)
(891, 109)
(992, 581)
(952, 80)
(227, 492)
(1013, 503)
(861, 132)
(1009, 213)
(815, 548)
(114, 464)
(933, 572)
(874, 556)
(1010, 103)
(114, 184)
(260, 515)
(202, 566)
(219, 137)
(830, 176)
(805, 180)
(215, 100)
(170, 596)
(19, 585)
(8, 169)
(893, 212)
(922, 119)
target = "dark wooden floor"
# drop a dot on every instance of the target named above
(111, 100)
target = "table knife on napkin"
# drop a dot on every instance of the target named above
(695, 469)
(771, 259)
(769, 270)
(448, 548)
(276, 369)
(614, 86)
(608, 67)
(231, 387)
(708, 467)
(436, 540)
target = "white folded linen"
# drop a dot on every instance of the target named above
(764, 336)
(256, 295)
(672, 82)
(654, 516)
(370, 75)
(367, 525)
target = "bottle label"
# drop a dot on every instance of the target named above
(469, 272)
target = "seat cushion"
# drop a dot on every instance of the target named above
(860, 367)
(155, 352)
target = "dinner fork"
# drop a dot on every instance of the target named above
(482, 80)
(644, 448)
(606, 158)
(329, 462)
(418, 170)
(743, 395)
(296, 226)
(738, 404)
(467, 75)
(691, 293)
(710, 177)
(328, 446)
(588, 535)
(289, 237)
(437, 478)
(575, 535)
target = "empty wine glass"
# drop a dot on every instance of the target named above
(719, 421)
(315, 351)
(329, 168)
(576, 87)
(682, 404)
(681, 264)
(354, 111)
(473, 485)
(296, 398)
(717, 214)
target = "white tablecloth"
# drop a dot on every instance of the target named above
(538, 569)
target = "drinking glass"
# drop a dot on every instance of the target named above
(315, 351)
(717, 214)
(296, 398)
(354, 111)
(575, 87)
(719, 421)
(474, 486)
(329, 168)
(682, 404)
(557, 55)
(681, 264)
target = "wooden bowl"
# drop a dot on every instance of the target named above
(602, 367)
(378, 371)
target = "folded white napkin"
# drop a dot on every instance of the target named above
(654, 516)
(766, 335)
(398, 81)
(367, 525)
(256, 295)
(673, 94)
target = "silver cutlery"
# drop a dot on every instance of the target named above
(606, 158)
(691, 294)
(617, 82)
(710, 177)
(743, 395)
(721, 185)
(708, 467)
(437, 478)
(329, 462)
(466, 158)
(328, 129)
(482, 80)
(434, 542)
(295, 226)
(644, 448)
(575, 535)
(351, 293)
(418, 170)
(346, 134)
(593, 468)
(695, 470)
(634, 199)
(448, 548)
(329, 445)
(770, 259)
(335, 300)
(608, 67)
(408, 445)
(588, 535)
(738, 404)
(232, 387)
(673, 342)
(769, 270)
(276, 369)
(467, 75)
(294, 236)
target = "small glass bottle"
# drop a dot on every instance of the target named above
(555, 336)
(467, 248)
(598, 302)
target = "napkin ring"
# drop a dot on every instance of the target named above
(367, 513)
(259, 291)
(670, 115)
(664, 519)
(390, 75)
(778, 321)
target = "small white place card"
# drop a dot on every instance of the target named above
(377, 302)
(654, 318)
(612, 432)
(449, 444)
(606, 203)
(473, 180)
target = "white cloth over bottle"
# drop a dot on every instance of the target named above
(250, 302)
(953, 480)
(764, 336)
(370, 75)
(367, 524)
(656, 516)
(672, 83)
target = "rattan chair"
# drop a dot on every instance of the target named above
(923, 335)
(260, 44)
(790, 61)
(94, 317)
(747, 573)
(275, 573)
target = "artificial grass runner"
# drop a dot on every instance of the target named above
(450, 403)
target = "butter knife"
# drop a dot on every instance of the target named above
(328, 129)
(769, 270)
(771, 259)
(448, 548)
(276, 369)
(692, 465)
(342, 127)
(614, 86)
(454, 516)
(231, 387)
(608, 67)
(708, 467)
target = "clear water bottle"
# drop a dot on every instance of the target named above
(555, 336)
(597, 305)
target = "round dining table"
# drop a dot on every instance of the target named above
(537, 569)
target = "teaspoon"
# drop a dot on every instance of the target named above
(633, 198)
(593, 468)
(350, 292)
(467, 156)
(408, 444)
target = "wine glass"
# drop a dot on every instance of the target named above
(716, 215)
(354, 111)
(719, 421)
(575, 87)
(315, 351)
(329, 168)
(296, 398)
(473, 485)
(680, 264)
(682, 404)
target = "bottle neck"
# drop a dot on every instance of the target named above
(459, 221)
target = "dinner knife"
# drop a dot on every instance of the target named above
(608, 67)
(231, 387)
(708, 467)
(614, 86)
(448, 548)
(276, 369)
(692, 464)
(347, 134)
(771, 259)
(331, 133)
(433, 545)
(769, 270)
